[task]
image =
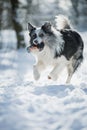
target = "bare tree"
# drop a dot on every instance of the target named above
(75, 6)
(1, 8)
(80, 11)
(16, 22)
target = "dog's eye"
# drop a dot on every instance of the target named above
(41, 35)
(34, 36)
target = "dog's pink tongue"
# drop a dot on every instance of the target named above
(33, 47)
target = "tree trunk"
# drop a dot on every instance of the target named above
(75, 8)
(1, 9)
(17, 25)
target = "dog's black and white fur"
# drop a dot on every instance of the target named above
(58, 46)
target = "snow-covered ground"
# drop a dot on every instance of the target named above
(43, 105)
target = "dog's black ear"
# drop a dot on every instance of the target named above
(31, 27)
(47, 27)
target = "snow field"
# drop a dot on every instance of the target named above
(44, 105)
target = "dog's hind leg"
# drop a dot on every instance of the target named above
(72, 67)
(70, 73)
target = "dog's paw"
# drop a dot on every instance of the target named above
(53, 77)
(67, 82)
(49, 77)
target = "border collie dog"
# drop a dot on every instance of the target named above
(58, 47)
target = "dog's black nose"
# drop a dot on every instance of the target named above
(35, 41)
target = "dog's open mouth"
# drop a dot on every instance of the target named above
(34, 46)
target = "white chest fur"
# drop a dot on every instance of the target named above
(47, 57)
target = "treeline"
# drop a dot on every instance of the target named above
(15, 14)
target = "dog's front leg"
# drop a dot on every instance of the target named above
(37, 69)
(36, 73)
(56, 71)
(53, 74)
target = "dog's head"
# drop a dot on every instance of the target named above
(38, 36)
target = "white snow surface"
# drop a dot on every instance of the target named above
(44, 105)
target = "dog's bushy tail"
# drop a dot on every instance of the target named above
(62, 22)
